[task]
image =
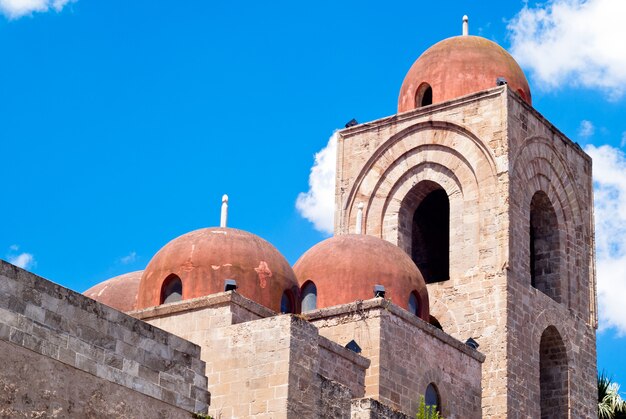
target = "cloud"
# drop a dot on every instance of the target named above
(623, 142)
(14, 9)
(318, 204)
(22, 260)
(573, 42)
(130, 258)
(609, 178)
(586, 129)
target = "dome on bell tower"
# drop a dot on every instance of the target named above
(459, 66)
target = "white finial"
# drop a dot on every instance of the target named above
(224, 218)
(465, 25)
(359, 218)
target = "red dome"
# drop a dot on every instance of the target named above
(119, 292)
(459, 66)
(204, 259)
(345, 269)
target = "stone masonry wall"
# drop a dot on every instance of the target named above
(406, 355)
(543, 159)
(36, 386)
(60, 325)
(276, 366)
(372, 409)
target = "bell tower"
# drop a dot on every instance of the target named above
(495, 206)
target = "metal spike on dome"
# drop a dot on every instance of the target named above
(224, 217)
(465, 25)
(359, 218)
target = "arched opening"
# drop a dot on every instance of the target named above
(414, 303)
(423, 95)
(171, 290)
(545, 255)
(309, 296)
(430, 242)
(553, 375)
(287, 302)
(432, 399)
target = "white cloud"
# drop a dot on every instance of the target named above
(586, 129)
(609, 176)
(623, 142)
(130, 258)
(318, 204)
(574, 42)
(22, 260)
(14, 9)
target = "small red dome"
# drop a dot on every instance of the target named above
(345, 269)
(203, 259)
(459, 66)
(119, 292)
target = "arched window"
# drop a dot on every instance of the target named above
(553, 376)
(431, 398)
(171, 290)
(414, 303)
(544, 247)
(423, 95)
(309, 296)
(431, 236)
(287, 302)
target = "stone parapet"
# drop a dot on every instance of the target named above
(366, 408)
(59, 324)
(406, 354)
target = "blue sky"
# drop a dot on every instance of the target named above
(123, 123)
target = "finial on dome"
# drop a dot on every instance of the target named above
(359, 218)
(465, 25)
(224, 218)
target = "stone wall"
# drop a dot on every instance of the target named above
(406, 355)
(76, 338)
(372, 409)
(36, 386)
(543, 159)
(262, 365)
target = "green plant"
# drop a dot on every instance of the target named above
(610, 403)
(199, 415)
(425, 411)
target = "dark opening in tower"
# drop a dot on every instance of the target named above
(553, 375)
(431, 236)
(545, 255)
(423, 95)
(171, 290)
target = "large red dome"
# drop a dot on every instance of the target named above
(203, 259)
(459, 66)
(346, 268)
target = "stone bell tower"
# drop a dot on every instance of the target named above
(495, 206)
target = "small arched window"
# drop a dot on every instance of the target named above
(424, 95)
(286, 302)
(414, 303)
(171, 290)
(309, 296)
(432, 399)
